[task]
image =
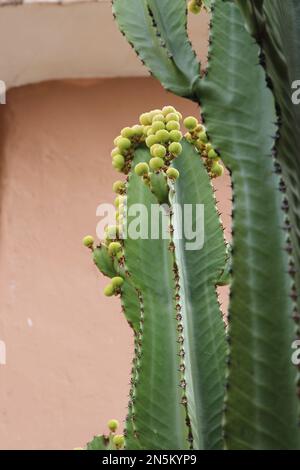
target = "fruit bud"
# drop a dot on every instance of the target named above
(157, 126)
(119, 441)
(203, 137)
(190, 123)
(119, 187)
(212, 154)
(114, 247)
(151, 140)
(122, 143)
(158, 117)
(117, 281)
(217, 169)
(113, 425)
(176, 136)
(173, 126)
(172, 173)
(109, 290)
(175, 148)
(141, 169)
(156, 163)
(88, 241)
(127, 132)
(118, 162)
(172, 117)
(167, 110)
(162, 136)
(159, 151)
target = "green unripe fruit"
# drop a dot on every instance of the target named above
(159, 151)
(212, 154)
(157, 126)
(193, 7)
(118, 162)
(168, 109)
(162, 136)
(172, 173)
(176, 136)
(115, 152)
(203, 137)
(119, 187)
(119, 441)
(109, 290)
(190, 123)
(172, 117)
(152, 149)
(175, 148)
(119, 200)
(154, 112)
(151, 140)
(141, 169)
(156, 163)
(114, 247)
(127, 132)
(122, 143)
(217, 169)
(117, 281)
(88, 241)
(158, 117)
(173, 126)
(113, 425)
(179, 115)
(146, 129)
(137, 130)
(145, 119)
(150, 131)
(208, 147)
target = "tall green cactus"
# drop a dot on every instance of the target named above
(168, 292)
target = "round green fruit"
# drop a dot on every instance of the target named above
(162, 136)
(156, 163)
(114, 247)
(118, 162)
(190, 123)
(172, 117)
(141, 169)
(157, 126)
(88, 241)
(109, 290)
(159, 151)
(119, 187)
(212, 154)
(113, 425)
(217, 169)
(176, 136)
(119, 441)
(172, 173)
(167, 110)
(173, 126)
(117, 281)
(175, 148)
(151, 140)
(122, 143)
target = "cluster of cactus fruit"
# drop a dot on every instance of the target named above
(190, 388)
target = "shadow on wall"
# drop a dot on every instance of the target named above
(69, 347)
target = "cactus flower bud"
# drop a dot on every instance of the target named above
(172, 173)
(172, 117)
(118, 162)
(122, 143)
(158, 117)
(212, 154)
(117, 281)
(176, 136)
(88, 241)
(157, 126)
(109, 290)
(145, 119)
(151, 140)
(114, 248)
(217, 169)
(156, 163)
(141, 169)
(119, 441)
(172, 126)
(113, 425)
(203, 137)
(159, 151)
(190, 123)
(162, 136)
(119, 187)
(167, 110)
(175, 148)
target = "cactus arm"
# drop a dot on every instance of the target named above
(276, 26)
(261, 402)
(159, 417)
(204, 329)
(177, 68)
(99, 443)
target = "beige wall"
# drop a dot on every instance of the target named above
(68, 347)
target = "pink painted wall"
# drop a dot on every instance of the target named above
(68, 347)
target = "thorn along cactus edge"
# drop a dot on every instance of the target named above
(194, 383)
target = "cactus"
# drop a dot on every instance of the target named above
(169, 299)
(168, 295)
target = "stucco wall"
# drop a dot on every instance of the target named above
(68, 347)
